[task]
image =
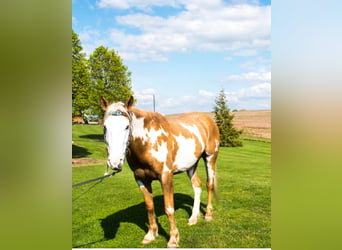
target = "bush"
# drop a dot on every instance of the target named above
(229, 136)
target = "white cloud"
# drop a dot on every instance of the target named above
(145, 96)
(149, 91)
(205, 93)
(89, 47)
(200, 25)
(126, 4)
(88, 34)
(228, 58)
(256, 91)
(246, 52)
(250, 77)
(91, 39)
(74, 20)
(147, 4)
(254, 97)
(257, 96)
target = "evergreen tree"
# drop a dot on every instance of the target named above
(110, 78)
(80, 79)
(229, 136)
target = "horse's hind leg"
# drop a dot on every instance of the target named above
(210, 162)
(196, 185)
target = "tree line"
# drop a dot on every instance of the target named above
(104, 74)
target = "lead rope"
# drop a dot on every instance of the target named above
(99, 178)
(106, 171)
(104, 156)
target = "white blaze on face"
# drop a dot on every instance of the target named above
(116, 137)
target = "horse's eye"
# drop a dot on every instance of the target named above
(127, 127)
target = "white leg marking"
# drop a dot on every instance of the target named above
(140, 184)
(170, 210)
(149, 237)
(196, 208)
(217, 145)
(211, 173)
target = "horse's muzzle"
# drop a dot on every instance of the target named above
(115, 165)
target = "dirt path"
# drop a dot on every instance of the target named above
(79, 162)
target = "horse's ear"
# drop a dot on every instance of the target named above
(104, 103)
(129, 103)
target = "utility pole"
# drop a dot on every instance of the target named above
(154, 103)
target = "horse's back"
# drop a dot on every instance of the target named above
(205, 124)
(192, 118)
(201, 120)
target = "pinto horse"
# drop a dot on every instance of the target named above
(156, 148)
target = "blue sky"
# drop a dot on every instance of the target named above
(185, 51)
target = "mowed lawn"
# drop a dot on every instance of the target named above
(112, 214)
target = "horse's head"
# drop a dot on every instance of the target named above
(116, 131)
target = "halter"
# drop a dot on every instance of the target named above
(120, 113)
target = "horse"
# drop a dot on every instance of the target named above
(156, 148)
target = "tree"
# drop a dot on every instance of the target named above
(80, 79)
(229, 136)
(110, 78)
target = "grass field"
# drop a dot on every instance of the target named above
(111, 213)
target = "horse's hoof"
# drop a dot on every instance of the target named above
(172, 245)
(192, 222)
(173, 241)
(148, 238)
(146, 241)
(208, 218)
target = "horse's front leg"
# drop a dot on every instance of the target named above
(167, 184)
(146, 189)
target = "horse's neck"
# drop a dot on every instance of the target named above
(142, 120)
(138, 118)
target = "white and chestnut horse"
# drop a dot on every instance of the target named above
(157, 148)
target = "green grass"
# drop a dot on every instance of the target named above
(111, 214)
(88, 141)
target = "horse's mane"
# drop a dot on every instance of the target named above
(150, 117)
